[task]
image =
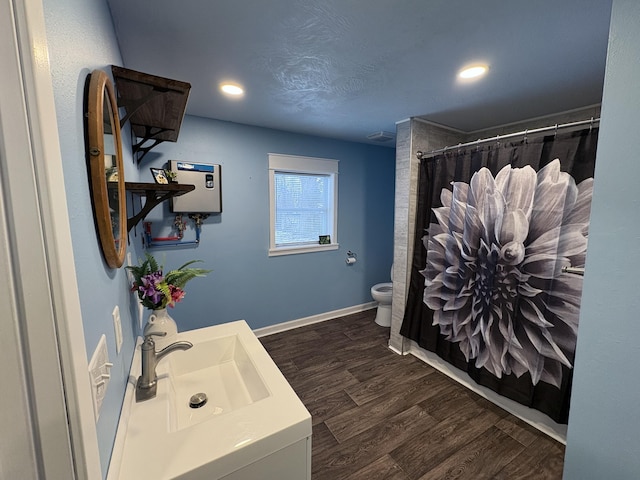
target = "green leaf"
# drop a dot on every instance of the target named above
(178, 278)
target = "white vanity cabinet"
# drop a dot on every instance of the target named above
(290, 463)
(253, 425)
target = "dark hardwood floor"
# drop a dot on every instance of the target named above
(379, 415)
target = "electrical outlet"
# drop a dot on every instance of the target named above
(99, 368)
(117, 326)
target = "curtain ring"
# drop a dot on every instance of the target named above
(498, 141)
(591, 125)
(525, 135)
(556, 132)
(478, 145)
(459, 145)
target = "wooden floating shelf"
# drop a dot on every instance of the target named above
(155, 194)
(154, 106)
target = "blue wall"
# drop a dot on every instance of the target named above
(602, 442)
(603, 439)
(248, 284)
(81, 38)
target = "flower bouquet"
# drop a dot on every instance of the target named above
(157, 290)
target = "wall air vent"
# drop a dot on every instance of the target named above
(381, 136)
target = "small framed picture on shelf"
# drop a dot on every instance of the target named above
(324, 239)
(159, 176)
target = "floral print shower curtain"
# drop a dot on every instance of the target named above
(495, 227)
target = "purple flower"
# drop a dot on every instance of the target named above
(149, 286)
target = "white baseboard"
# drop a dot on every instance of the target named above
(301, 322)
(531, 416)
(395, 350)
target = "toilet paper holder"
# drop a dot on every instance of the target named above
(351, 258)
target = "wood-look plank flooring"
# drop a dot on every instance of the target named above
(379, 415)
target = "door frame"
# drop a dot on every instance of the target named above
(42, 347)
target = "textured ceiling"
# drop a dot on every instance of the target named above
(347, 68)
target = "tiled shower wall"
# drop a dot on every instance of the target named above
(412, 136)
(415, 135)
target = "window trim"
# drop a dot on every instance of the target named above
(309, 165)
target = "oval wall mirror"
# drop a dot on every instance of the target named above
(106, 168)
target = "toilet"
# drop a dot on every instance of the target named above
(382, 293)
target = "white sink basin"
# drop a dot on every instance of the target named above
(221, 369)
(250, 415)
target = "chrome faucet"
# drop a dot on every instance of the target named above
(147, 384)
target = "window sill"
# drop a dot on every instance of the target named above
(275, 252)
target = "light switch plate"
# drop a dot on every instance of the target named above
(117, 326)
(99, 368)
(140, 315)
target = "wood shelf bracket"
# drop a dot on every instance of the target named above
(154, 194)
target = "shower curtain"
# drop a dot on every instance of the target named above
(495, 226)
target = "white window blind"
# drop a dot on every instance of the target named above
(303, 203)
(302, 207)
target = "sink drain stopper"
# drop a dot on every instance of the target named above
(198, 400)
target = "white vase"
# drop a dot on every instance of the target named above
(161, 322)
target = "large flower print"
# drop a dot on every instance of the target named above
(493, 273)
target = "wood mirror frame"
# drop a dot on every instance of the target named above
(104, 155)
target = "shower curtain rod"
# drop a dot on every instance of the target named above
(574, 270)
(497, 138)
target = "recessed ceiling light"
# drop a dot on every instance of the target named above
(231, 89)
(474, 71)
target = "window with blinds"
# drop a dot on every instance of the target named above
(303, 204)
